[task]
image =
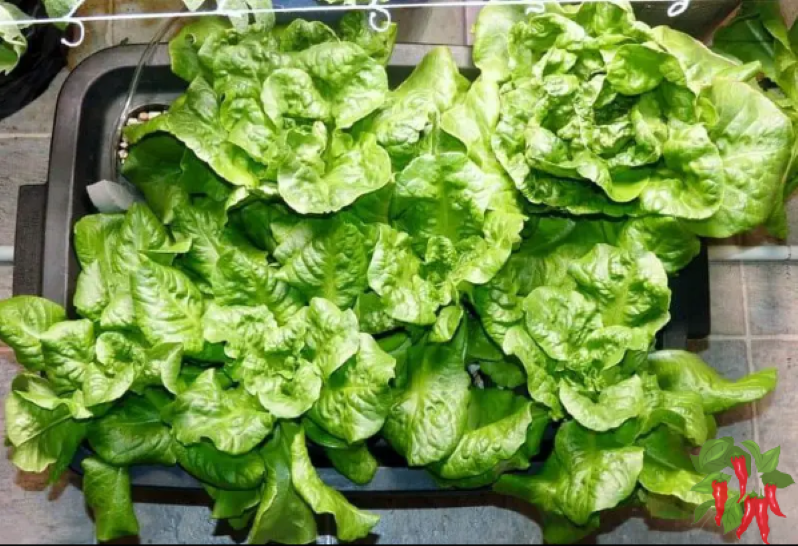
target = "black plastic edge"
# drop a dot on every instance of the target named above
(690, 304)
(29, 240)
(388, 480)
(700, 321)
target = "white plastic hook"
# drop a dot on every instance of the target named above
(379, 17)
(536, 6)
(678, 8)
(81, 35)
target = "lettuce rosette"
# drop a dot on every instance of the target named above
(601, 114)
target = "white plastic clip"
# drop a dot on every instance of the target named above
(678, 8)
(81, 35)
(379, 17)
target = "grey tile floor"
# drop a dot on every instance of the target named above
(755, 324)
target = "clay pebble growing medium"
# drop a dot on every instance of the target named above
(141, 117)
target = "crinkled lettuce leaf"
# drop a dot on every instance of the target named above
(282, 515)
(352, 523)
(429, 417)
(230, 418)
(220, 469)
(42, 437)
(133, 433)
(326, 259)
(356, 399)
(195, 119)
(411, 290)
(354, 27)
(754, 140)
(445, 196)
(681, 371)
(342, 170)
(23, 322)
(667, 469)
(510, 424)
(587, 473)
(108, 493)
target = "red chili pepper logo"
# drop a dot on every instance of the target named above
(720, 491)
(736, 509)
(740, 470)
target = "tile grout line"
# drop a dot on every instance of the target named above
(465, 24)
(11, 136)
(750, 360)
(728, 337)
(747, 335)
(754, 337)
(110, 7)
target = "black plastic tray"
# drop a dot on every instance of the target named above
(84, 138)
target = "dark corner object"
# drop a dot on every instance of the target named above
(83, 139)
(42, 61)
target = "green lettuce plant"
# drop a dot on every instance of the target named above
(12, 41)
(322, 259)
(774, 48)
(601, 114)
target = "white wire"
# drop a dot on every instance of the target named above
(379, 17)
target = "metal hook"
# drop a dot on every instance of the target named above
(81, 35)
(374, 15)
(678, 8)
(536, 7)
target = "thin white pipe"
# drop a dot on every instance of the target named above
(6, 255)
(761, 253)
(678, 7)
